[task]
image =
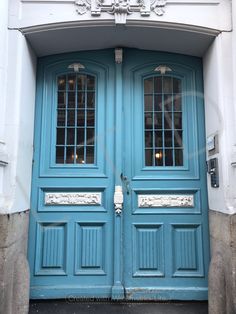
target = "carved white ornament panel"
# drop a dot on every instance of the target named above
(68, 198)
(120, 8)
(164, 200)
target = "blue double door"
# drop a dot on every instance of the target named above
(119, 203)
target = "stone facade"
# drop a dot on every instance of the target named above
(14, 272)
(222, 273)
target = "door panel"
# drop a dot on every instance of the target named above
(165, 212)
(93, 125)
(71, 228)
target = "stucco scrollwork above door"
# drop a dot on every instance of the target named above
(120, 8)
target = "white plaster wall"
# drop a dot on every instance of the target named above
(232, 188)
(214, 14)
(18, 123)
(3, 86)
(219, 93)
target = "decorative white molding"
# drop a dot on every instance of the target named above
(118, 199)
(158, 7)
(163, 69)
(76, 66)
(164, 200)
(176, 2)
(121, 8)
(68, 198)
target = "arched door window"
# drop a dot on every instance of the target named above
(163, 121)
(76, 110)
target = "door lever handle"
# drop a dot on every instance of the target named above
(125, 182)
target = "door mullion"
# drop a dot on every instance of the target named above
(118, 289)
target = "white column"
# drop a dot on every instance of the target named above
(233, 153)
(17, 90)
(219, 91)
(3, 88)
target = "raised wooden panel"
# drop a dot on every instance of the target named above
(90, 249)
(51, 249)
(148, 251)
(187, 251)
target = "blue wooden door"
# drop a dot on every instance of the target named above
(71, 227)
(139, 125)
(165, 212)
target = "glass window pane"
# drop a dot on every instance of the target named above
(81, 81)
(168, 157)
(148, 85)
(158, 84)
(148, 101)
(80, 136)
(70, 157)
(179, 157)
(168, 139)
(61, 117)
(148, 120)
(89, 154)
(163, 121)
(71, 100)
(60, 136)
(80, 155)
(81, 118)
(90, 136)
(71, 117)
(158, 120)
(177, 102)
(178, 139)
(61, 82)
(178, 120)
(148, 157)
(158, 103)
(90, 117)
(168, 102)
(71, 81)
(168, 120)
(159, 157)
(61, 100)
(158, 139)
(176, 85)
(90, 82)
(167, 84)
(78, 115)
(91, 100)
(81, 100)
(70, 136)
(148, 139)
(60, 155)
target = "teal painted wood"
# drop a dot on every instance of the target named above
(169, 245)
(118, 288)
(88, 251)
(71, 246)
